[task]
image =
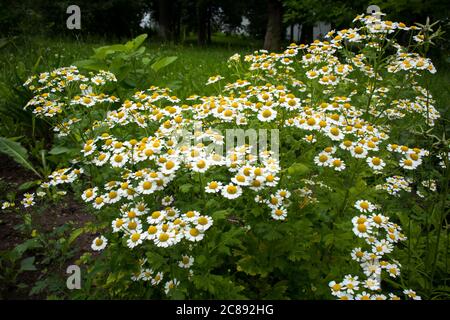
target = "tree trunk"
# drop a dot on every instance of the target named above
(272, 40)
(307, 33)
(209, 25)
(202, 23)
(164, 20)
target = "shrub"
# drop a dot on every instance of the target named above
(179, 216)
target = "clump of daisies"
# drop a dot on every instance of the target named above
(395, 184)
(164, 227)
(379, 236)
(137, 146)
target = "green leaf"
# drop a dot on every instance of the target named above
(20, 249)
(298, 169)
(75, 234)
(58, 150)
(185, 187)
(102, 52)
(162, 63)
(136, 42)
(28, 185)
(17, 152)
(146, 60)
(90, 64)
(219, 215)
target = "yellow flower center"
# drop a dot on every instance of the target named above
(362, 228)
(147, 185)
(202, 220)
(170, 165)
(163, 237)
(311, 121)
(408, 163)
(359, 150)
(231, 189)
(377, 219)
(337, 162)
(119, 223)
(266, 113)
(376, 161)
(194, 232)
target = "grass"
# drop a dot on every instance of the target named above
(23, 57)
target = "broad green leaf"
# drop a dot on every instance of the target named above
(17, 152)
(90, 64)
(162, 63)
(102, 52)
(136, 42)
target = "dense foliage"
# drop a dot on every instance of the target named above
(178, 216)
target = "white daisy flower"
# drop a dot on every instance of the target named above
(375, 163)
(213, 187)
(89, 194)
(186, 262)
(266, 114)
(203, 223)
(231, 191)
(364, 206)
(99, 243)
(194, 234)
(134, 240)
(170, 285)
(279, 213)
(118, 160)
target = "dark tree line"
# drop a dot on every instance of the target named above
(176, 19)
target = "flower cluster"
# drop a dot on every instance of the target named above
(395, 184)
(379, 236)
(330, 95)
